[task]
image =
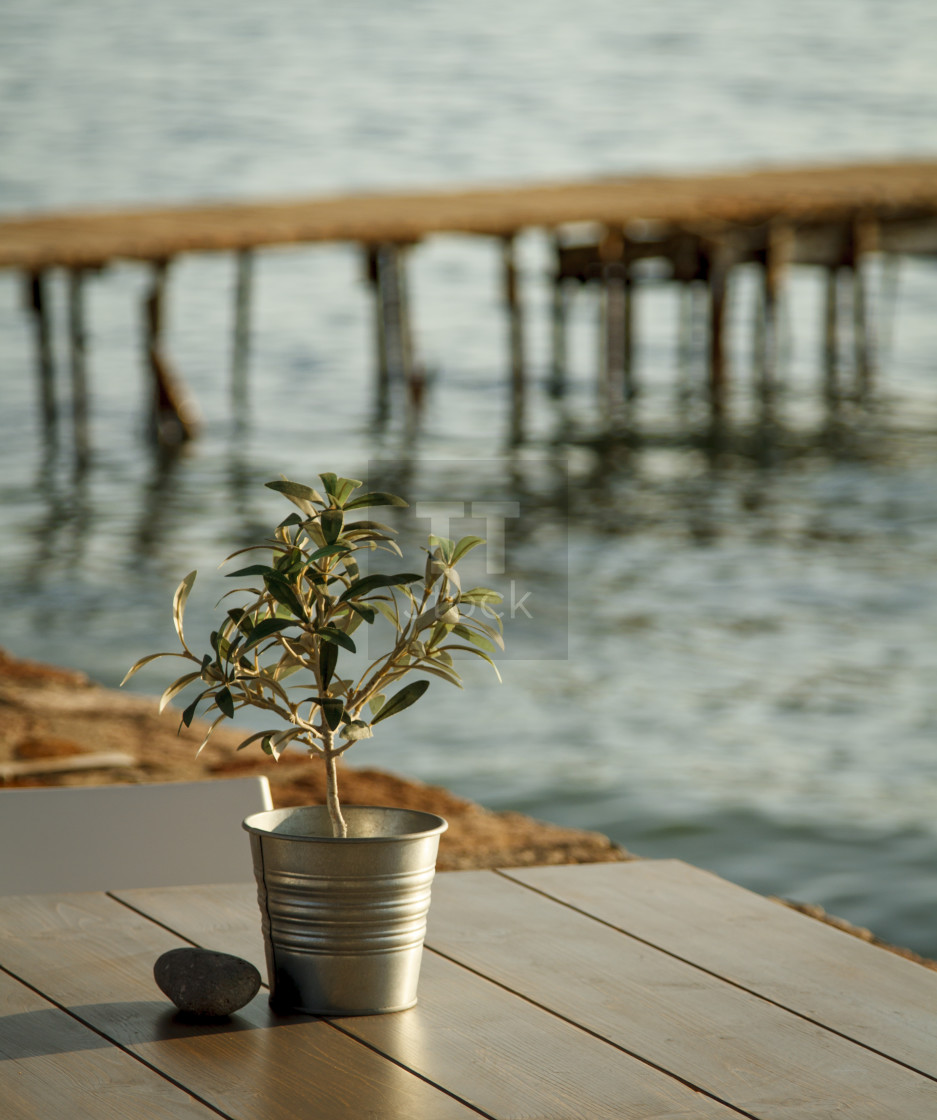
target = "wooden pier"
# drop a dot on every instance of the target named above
(698, 229)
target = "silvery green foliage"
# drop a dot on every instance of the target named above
(279, 651)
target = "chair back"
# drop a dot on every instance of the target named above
(91, 838)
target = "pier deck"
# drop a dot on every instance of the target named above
(886, 192)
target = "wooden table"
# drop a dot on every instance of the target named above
(644, 989)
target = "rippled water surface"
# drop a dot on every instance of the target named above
(730, 657)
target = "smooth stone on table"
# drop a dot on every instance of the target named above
(203, 982)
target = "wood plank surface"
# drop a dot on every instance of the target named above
(52, 1066)
(889, 191)
(741, 1049)
(95, 957)
(858, 989)
(490, 1048)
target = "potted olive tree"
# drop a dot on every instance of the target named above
(343, 890)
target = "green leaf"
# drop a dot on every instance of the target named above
(333, 710)
(478, 653)
(376, 498)
(366, 613)
(356, 729)
(381, 531)
(338, 637)
(208, 735)
(475, 639)
(344, 488)
(176, 687)
(328, 656)
(329, 481)
(464, 545)
(252, 739)
(251, 570)
(450, 676)
(327, 550)
(295, 490)
(372, 583)
(145, 661)
(264, 630)
(376, 703)
(282, 590)
(408, 695)
(480, 595)
(332, 521)
(189, 714)
(225, 702)
(278, 742)
(443, 545)
(242, 620)
(178, 604)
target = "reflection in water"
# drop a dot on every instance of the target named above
(62, 533)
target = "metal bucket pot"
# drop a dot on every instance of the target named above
(344, 919)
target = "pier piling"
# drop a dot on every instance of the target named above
(240, 353)
(515, 316)
(78, 336)
(38, 303)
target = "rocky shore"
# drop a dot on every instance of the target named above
(58, 727)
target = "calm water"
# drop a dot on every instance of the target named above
(729, 660)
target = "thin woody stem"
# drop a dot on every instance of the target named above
(339, 827)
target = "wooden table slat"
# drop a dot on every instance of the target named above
(850, 986)
(51, 1065)
(738, 1047)
(489, 1047)
(92, 955)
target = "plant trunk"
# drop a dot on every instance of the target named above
(339, 827)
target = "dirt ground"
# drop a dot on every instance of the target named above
(58, 727)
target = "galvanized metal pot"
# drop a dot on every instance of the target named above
(344, 919)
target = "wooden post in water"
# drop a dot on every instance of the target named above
(831, 337)
(173, 417)
(629, 385)
(408, 372)
(78, 336)
(615, 375)
(37, 299)
(394, 352)
(717, 267)
(381, 353)
(864, 240)
(557, 383)
(777, 254)
(514, 309)
(241, 347)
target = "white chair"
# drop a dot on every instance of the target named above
(92, 838)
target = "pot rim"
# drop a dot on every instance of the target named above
(253, 824)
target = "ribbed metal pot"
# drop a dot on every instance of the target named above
(344, 919)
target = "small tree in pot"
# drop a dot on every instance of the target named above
(312, 600)
(343, 894)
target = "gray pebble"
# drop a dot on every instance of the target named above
(205, 983)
